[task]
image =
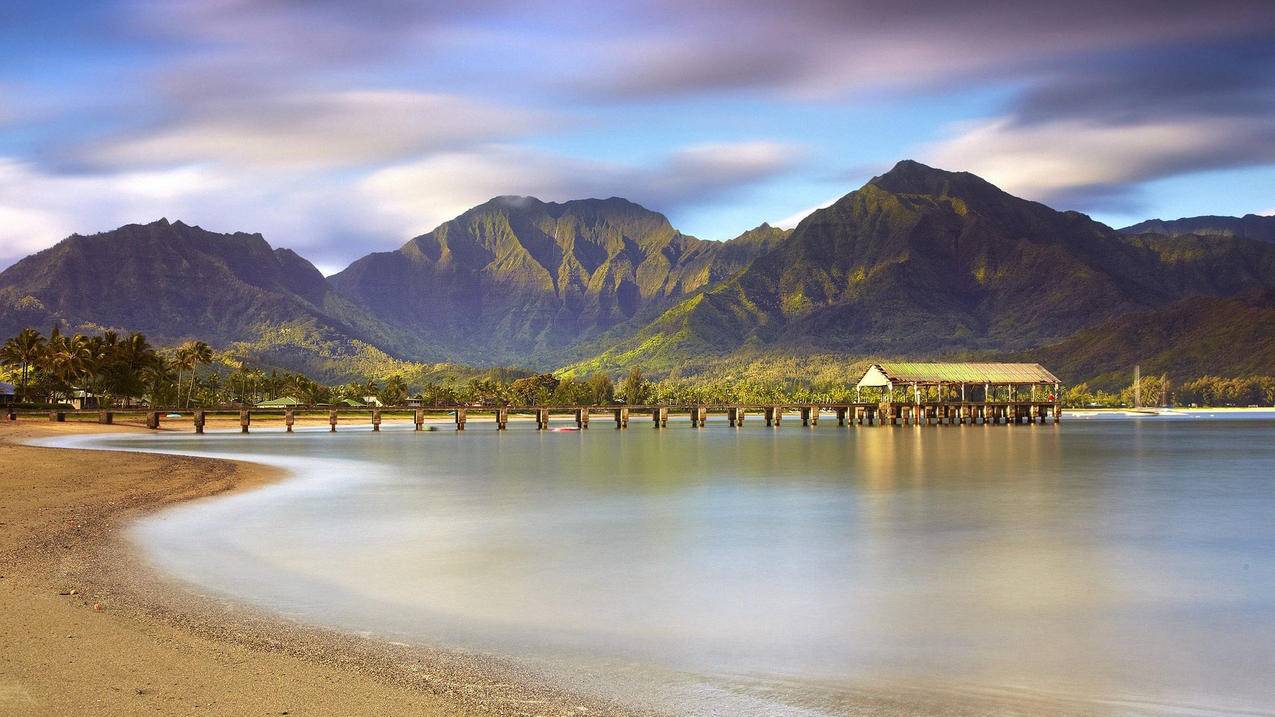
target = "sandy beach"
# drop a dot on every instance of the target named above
(90, 629)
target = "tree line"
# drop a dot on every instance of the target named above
(125, 370)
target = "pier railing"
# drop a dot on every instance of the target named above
(774, 415)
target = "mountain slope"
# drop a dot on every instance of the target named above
(518, 279)
(1249, 226)
(924, 262)
(172, 281)
(1200, 336)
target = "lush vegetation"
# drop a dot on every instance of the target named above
(127, 370)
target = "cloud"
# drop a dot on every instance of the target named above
(822, 48)
(428, 192)
(333, 222)
(1052, 161)
(1087, 136)
(313, 130)
(38, 209)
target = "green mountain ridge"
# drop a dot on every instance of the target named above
(173, 281)
(928, 263)
(1249, 226)
(518, 279)
(919, 262)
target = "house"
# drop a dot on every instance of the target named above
(81, 399)
(281, 402)
(7, 394)
(916, 382)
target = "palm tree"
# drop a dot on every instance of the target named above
(189, 356)
(23, 351)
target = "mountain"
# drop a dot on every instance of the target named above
(925, 262)
(520, 280)
(172, 281)
(1200, 336)
(1249, 226)
(919, 262)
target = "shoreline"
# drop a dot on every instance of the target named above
(92, 627)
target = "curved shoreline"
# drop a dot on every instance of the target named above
(96, 628)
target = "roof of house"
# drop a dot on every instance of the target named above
(282, 401)
(1002, 373)
(6, 389)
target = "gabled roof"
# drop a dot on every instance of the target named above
(282, 401)
(6, 389)
(902, 372)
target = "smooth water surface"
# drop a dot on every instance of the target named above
(1127, 563)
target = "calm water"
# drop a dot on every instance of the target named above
(1129, 563)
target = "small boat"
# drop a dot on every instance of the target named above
(173, 415)
(564, 429)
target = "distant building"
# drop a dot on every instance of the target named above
(81, 398)
(7, 393)
(281, 402)
(904, 381)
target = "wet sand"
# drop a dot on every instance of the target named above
(90, 629)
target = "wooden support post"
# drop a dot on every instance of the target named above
(332, 419)
(376, 419)
(841, 415)
(694, 414)
(460, 419)
(418, 418)
(502, 418)
(289, 418)
(105, 417)
(804, 412)
(732, 416)
(582, 418)
(245, 418)
(659, 415)
(200, 418)
(542, 419)
(152, 420)
(622, 418)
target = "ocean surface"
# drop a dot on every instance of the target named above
(1120, 565)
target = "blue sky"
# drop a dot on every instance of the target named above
(340, 128)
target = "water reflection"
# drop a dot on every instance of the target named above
(1118, 561)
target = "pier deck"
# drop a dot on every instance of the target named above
(887, 413)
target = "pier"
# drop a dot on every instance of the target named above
(898, 394)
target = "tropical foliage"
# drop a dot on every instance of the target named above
(115, 370)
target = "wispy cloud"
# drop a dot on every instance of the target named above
(823, 48)
(423, 194)
(335, 129)
(1073, 162)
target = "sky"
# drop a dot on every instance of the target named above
(338, 128)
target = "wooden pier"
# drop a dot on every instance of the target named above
(546, 417)
(909, 394)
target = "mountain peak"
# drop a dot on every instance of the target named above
(911, 177)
